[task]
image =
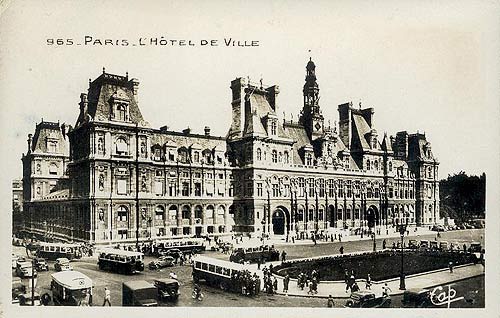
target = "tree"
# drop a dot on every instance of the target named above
(462, 197)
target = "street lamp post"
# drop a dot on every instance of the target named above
(402, 230)
(150, 228)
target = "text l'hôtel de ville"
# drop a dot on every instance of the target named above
(152, 41)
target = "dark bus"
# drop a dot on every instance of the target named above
(219, 273)
(120, 261)
(53, 251)
(254, 254)
(185, 246)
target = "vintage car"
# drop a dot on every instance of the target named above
(433, 245)
(173, 252)
(424, 244)
(443, 246)
(367, 299)
(161, 262)
(26, 299)
(25, 269)
(18, 289)
(139, 293)
(438, 228)
(168, 289)
(62, 264)
(41, 264)
(416, 298)
(413, 244)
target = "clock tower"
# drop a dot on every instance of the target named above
(311, 116)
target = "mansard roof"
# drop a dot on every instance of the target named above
(45, 131)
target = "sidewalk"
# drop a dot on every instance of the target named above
(337, 288)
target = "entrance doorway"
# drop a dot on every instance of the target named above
(279, 222)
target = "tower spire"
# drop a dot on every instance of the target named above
(311, 116)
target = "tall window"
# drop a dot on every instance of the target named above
(122, 213)
(309, 159)
(276, 191)
(207, 156)
(197, 189)
(185, 189)
(196, 156)
(186, 212)
(121, 112)
(159, 213)
(301, 187)
(274, 127)
(183, 155)
(349, 188)
(198, 212)
(331, 188)
(368, 165)
(52, 146)
(259, 189)
(274, 156)
(311, 187)
(286, 157)
(259, 154)
(321, 188)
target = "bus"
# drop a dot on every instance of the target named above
(223, 274)
(120, 261)
(53, 251)
(185, 246)
(69, 288)
(254, 254)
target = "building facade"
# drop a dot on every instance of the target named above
(123, 181)
(17, 206)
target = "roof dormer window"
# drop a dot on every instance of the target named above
(274, 128)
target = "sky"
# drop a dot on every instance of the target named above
(430, 67)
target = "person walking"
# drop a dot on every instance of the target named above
(384, 243)
(107, 297)
(283, 256)
(275, 284)
(341, 249)
(385, 290)
(330, 302)
(450, 266)
(368, 282)
(286, 281)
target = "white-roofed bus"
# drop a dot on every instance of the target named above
(71, 288)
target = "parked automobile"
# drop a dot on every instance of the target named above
(443, 245)
(62, 264)
(27, 299)
(18, 289)
(139, 293)
(168, 289)
(41, 264)
(367, 299)
(412, 244)
(173, 252)
(417, 298)
(424, 244)
(433, 245)
(438, 228)
(162, 262)
(25, 269)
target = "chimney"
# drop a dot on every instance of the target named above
(207, 131)
(186, 131)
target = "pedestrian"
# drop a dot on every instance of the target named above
(330, 302)
(450, 266)
(341, 249)
(368, 282)
(293, 239)
(275, 284)
(107, 297)
(465, 248)
(258, 263)
(286, 281)
(385, 290)
(384, 243)
(283, 256)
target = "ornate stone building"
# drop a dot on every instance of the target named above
(125, 181)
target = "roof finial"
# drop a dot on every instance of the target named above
(90, 81)
(103, 70)
(126, 74)
(261, 82)
(310, 58)
(360, 104)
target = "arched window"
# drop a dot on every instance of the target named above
(186, 212)
(300, 214)
(280, 157)
(121, 112)
(274, 156)
(221, 211)
(209, 212)
(376, 164)
(144, 152)
(53, 169)
(286, 157)
(121, 146)
(274, 127)
(156, 152)
(122, 213)
(198, 212)
(207, 156)
(159, 213)
(259, 154)
(172, 213)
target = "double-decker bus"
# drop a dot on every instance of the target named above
(223, 274)
(53, 251)
(120, 261)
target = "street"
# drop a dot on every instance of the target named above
(472, 289)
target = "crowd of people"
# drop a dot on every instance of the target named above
(249, 284)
